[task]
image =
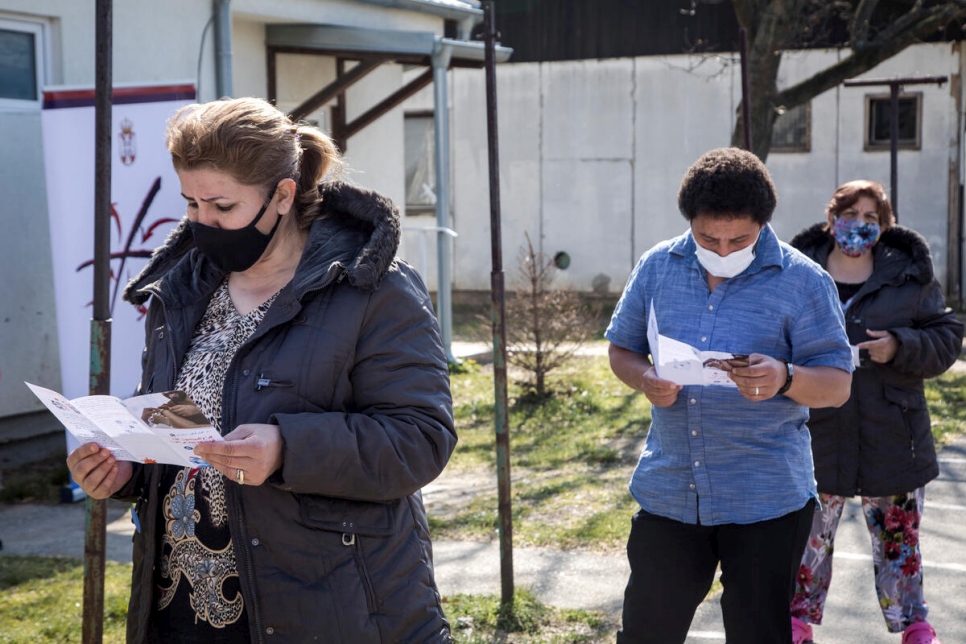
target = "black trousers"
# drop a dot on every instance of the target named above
(673, 565)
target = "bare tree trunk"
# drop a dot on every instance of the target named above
(772, 33)
(775, 25)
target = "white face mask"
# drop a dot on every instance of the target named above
(729, 265)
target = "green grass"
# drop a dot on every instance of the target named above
(946, 399)
(572, 454)
(41, 600)
(588, 420)
(481, 619)
(571, 457)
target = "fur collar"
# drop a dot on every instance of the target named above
(898, 243)
(357, 234)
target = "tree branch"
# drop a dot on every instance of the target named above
(859, 29)
(865, 58)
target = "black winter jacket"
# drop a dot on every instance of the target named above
(880, 442)
(348, 362)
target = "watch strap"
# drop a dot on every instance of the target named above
(790, 375)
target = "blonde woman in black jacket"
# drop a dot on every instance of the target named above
(278, 305)
(879, 445)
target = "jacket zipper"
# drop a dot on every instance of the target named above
(262, 382)
(349, 540)
(243, 544)
(912, 435)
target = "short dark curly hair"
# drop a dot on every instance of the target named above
(728, 182)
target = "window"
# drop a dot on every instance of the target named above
(878, 120)
(793, 130)
(420, 155)
(21, 63)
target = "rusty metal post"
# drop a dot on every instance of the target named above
(745, 89)
(100, 367)
(895, 87)
(498, 312)
(894, 146)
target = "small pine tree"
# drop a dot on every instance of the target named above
(545, 326)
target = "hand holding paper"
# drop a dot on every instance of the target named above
(683, 364)
(145, 429)
(97, 471)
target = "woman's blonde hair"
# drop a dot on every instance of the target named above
(257, 145)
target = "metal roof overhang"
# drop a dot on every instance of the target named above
(412, 47)
(448, 9)
(372, 48)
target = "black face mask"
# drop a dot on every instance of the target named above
(236, 250)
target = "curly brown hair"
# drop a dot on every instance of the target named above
(848, 193)
(725, 183)
(253, 142)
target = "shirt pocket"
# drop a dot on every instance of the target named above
(765, 334)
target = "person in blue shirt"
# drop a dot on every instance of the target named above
(726, 474)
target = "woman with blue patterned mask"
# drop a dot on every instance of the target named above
(856, 229)
(878, 446)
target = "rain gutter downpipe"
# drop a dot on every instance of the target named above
(223, 78)
(442, 53)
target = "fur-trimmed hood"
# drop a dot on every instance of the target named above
(904, 246)
(355, 238)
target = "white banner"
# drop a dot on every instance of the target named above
(146, 204)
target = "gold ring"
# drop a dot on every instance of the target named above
(756, 393)
(240, 476)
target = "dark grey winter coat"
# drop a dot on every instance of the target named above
(348, 362)
(880, 443)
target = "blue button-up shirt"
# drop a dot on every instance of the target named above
(714, 457)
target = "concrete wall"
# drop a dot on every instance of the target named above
(592, 154)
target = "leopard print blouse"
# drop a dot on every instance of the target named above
(198, 593)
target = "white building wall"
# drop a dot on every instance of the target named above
(521, 179)
(684, 106)
(806, 181)
(374, 156)
(161, 42)
(592, 155)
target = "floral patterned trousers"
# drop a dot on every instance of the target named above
(893, 523)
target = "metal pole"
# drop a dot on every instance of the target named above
(442, 54)
(895, 85)
(894, 147)
(100, 367)
(501, 420)
(745, 89)
(224, 82)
